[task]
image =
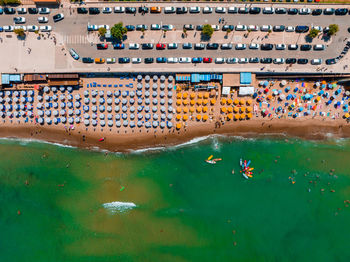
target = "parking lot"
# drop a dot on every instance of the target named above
(71, 32)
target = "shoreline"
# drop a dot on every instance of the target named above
(304, 129)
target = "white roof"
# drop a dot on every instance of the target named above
(246, 90)
(225, 90)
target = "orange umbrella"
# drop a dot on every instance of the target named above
(192, 95)
(223, 109)
(242, 116)
(223, 101)
(324, 82)
(205, 109)
(212, 101)
(206, 95)
(178, 109)
(242, 101)
(184, 95)
(236, 109)
(249, 102)
(237, 116)
(269, 97)
(200, 95)
(229, 101)
(178, 95)
(185, 102)
(178, 117)
(184, 117)
(249, 115)
(199, 117)
(249, 109)
(192, 102)
(178, 126)
(199, 109)
(185, 109)
(242, 109)
(229, 109)
(236, 102)
(205, 101)
(191, 109)
(199, 101)
(178, 102)
(230, 116)
(205, 118)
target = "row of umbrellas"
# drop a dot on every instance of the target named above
(17, 93)
(162, 78)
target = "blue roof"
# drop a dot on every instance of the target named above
(15, 78)
(5, 79)
(196, 78)
(245, 78)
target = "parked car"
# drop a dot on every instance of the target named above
(278, 61)
(106, 10)
(99, 61)
(102, 46)
(160, 46)
(147, 46)
(172, 46)
(87, 60)
(119, 9)
(290, 29)
(156, 10)
(328, 11)
(167, 27)
(189, 27)
(130, 27)
(268, 10)
(291, 61)
(280, 11)
(118, 46)
(32, 28)
(212, 46)
(161, 60)
(293, 47)
(305, 11)
(316, 12)
(199, 46)
(316, 61)
(8, 28)
(207, 60)
(136, 60)
(243, 10)
(181, 10)
(226, 46)
(73, 54)
(207, 10)
(253, 27)
(123, 60)
(305, 47)
(58, 17)
(254, 10)
(302, 61)
(279, 28)
(9, 10)
(19, 20)
(220, 60)
(199, 27)
(266, 60)
(140, 27)
(143, 10)
(220, 10)
(169, 10)
(215, 27)
(232, 10)
(134, 46)
(45, 28)
(319, 47)
(149, 60)
(301, 29)
(187, 46)
(94, 10)
(265, 28)
(293, 11)
(232, 60)
(254, 46)
(197, 60)
(184, 60)
(21, 10)
(194, 10)
(43, 19)
(92, 27)
(280, 47)
(44, 10)
(241, 46)
(338, 11)
(254, 60)
(266, 47)
(243, 60)
(33, 10)
(130, 10)
(111, 60)
(241, 28)
(172, 60)
(82, 10)
(331, 61)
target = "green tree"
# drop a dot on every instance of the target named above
(207, 30)
(10, 2)
(313, 33)
(185, 32)
(333, 29)
(19, 32)
(118, 31)
(143, 31)
(102, 31)
(227, 32)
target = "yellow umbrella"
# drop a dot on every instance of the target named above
(212, 101)
(199, 109)
(205, 101)
(206, 95)
(192, 102)
(249, 102)
(178, 126)
(318, 99)
(236, 102)
(178, 102)
(249, 115)
(237, 116)
(230, 116)
(236, 109)
(205, 118)
(199, 95)
(185, 102)
(242, 101)
(178, 95)
(191, 109)
(347, 115)
(192, 95)
(178, 117)
(185, 109)
(199, 101)
(223, 101)
(324, 82)
(249, 109)
(242, 116)
(178, 109)
(229, 101)
(223, 109)
(199, 117)
(229, 109)
(242, 109)
(205, 109)
(184, 95)
(184, 117)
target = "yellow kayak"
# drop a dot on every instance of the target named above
(210, 157)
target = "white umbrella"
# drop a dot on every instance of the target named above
(117, 117)
(109, 116)
(31, 93)
(70, 104)
(54, 89)
(117, 93)
(124, 101)
(86, 100)
(86, 122)
(117, 101)
(93, 100)
(154, 94)
(147, 116)
(155, 101)
(139, 123)
(47, 105)
(70, 89)
(139, 116)
(48, 112)
(116, 109)
(23, 100)
(124, 116)
(118, 124)
(102, 116)
(125, 123)
(147, 109)
(86, 108)
(154, 86)
(55, 121)
(77, 97)
(40, 113)
(155, 124)
(147, 94)
(124, 94)
(101, 100)
(109, 101)
(154, 109)
(29, 107)
(110, 123)
(94, 116)
(131, 101)
(77, 104)
(170, 116)
(132, 116)
(39, 105)
(94, 122)
(170, 109)
(162, 125)
(139, 93)
(132, 109)
(101, 93)
(162, 101)
(86, 93)
(16, 114)
(109, 109)
(155, 116)
(23, 93)
(46, 89)
(147, 78)
(48, 121)
(62, 112)
(70, 97)
(155, 78)
(170, 102)
(170, 94)
(163, 109)
(47, 98)
(15, 99)
(54, 97)
(40, 120)
(147, 86)
(148, 125)
(77, 112)
(170, 125)
(101, 108)
(147, 101)
(64, 120)
(55, 112)
(62, 97)
(30, 99)
(109, 93)
(94, 93)
(124, 109)
(86, 116)
(94, 108)
(139, 101)
(71, 120)
(77, 119)
(170, 78)
(70, 112)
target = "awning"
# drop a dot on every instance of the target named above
(246, 90)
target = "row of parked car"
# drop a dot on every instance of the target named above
(218, 10)
(197, 60)
(41, 19)
(29, 28)
(215, 46)
(22, 10)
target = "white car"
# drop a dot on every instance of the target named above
(21, 10)
(241, 46)
(134, 46)
(268, 10)
(304, 11)
(316, 61)
(207, 10)
(278, 61)
(241, 28)
(319, 28)
(106, 10)
(265, 28)
(280, 47)
(215, 27)
(220, 60)
(290, 29)
(173, 60)
(136, 60)
(119, 9)
(104, 26)
(167, 27)
(8, 28)
(254, 46)
(243, 60)
(20, 27)
(19, 20)
(155, 27)
(232, 60)
(220, 10)
(169, 10)
(32, 28)
(111, 60)
(43, 19)
(253, 28)
(44, 10)
(185, 60)
(194, 9)
(172, 46)
(319, 47)
(45, 28)
(232, 10)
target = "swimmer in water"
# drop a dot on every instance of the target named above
(233, 171)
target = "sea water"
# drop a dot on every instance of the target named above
(66, 204)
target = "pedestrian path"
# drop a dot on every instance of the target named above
(75, 39)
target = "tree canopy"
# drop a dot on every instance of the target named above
(207, 30)
(333, 29)
(118, 31)
(102, 31)
(313, 33)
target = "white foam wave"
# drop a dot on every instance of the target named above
(26, 141)
(117, 206)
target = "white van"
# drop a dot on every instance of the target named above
(265, 28)
(169, 10)
(316, 61)
(220, 60)
(241, 27)
(319, 47)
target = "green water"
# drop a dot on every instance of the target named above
(186, 210)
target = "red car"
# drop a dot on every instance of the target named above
(207, 60)
(102, 46)
(160, 46)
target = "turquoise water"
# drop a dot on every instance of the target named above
(52, 200)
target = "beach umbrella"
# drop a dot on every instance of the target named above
(94, 93)
(63, 120)
(29, 107)
(154, 109)
(40, 120)
(131, 101)
(124, 116)
(2, 107)
(139, 108)
(147, 101)
(86, 108)
(86, 116)
(48, 112)
(155, 124)
(154, 86)
(109, 101)
(77, 104)
(155, 77)
(148, 125)
(69, 89)
(132, 124)
(101, 100)
(118, 124)
(139, 77)
(110, 123)
(125, 123)
(170, 125)
(155, 116)
(62, 97)
(16, 107)
(147, 94)
(139, 116)
(132, 94)
(117, 101)
(86, 93)
(39, 105)
(170, 94)
(170, 102)
(163, 109)
(154, 94)
(147, 78)
(30, 99)
(1, 100)
(46, 89)
(124, 94)
(162, 78)
(55, 121)
(101, 108)
(77, 112)
(102, 116)
(102, 123)
(117, 117)
(139, 93)
(147, 86)
(70, 97)
(77, 97)
(139, 123)
(139, 86)
(40, 113)
(147, 116)
(94, 122)
(9, 107)
(70, 112)
(109, 93)
(139, 101)
(87, 100)
(109, 109)
(71, 120)
(162, 101)
(31, 93)
(124, 109)
(1, 94)
(132, 116)
(70, 104)
(117, 93)
(15, 100)
(94, 108)
(16, 114)
(54, 97)
(8, 93)
(8, 114)
(101, 93)
(155, 101)
(124, 101)
(170, 109)
(132, 109)
(48, 121)
(86, 122)
(147, 109)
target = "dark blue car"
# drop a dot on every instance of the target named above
(130, 27)
(119, 46)
(161, 59)
(197, 60)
